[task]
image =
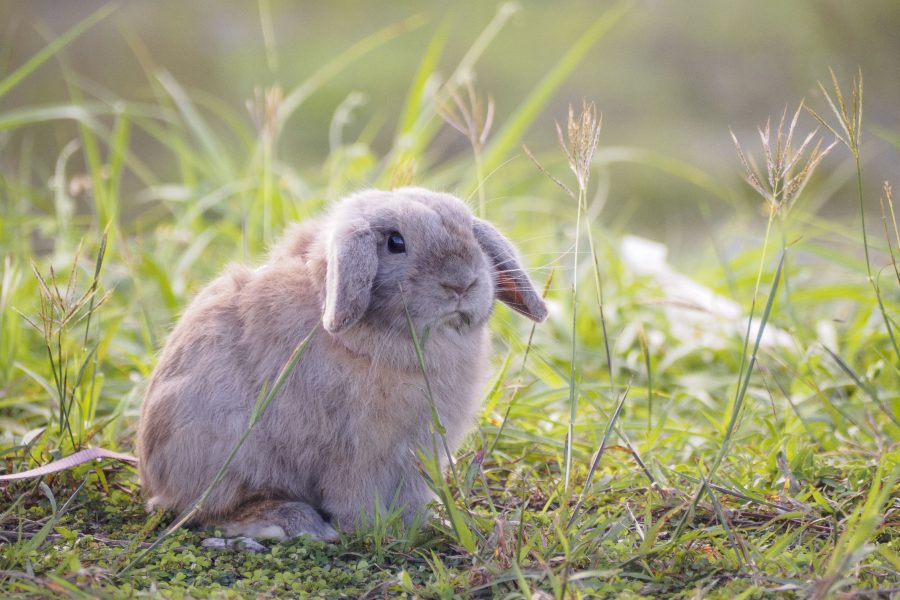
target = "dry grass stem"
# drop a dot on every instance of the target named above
(889, 219)
(548, 174)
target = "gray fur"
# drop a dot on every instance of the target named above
(345, 427)
(352, 265)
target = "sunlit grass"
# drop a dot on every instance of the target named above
(635, 442)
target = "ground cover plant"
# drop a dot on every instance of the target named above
(732, 434)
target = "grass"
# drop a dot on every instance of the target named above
(639, 446)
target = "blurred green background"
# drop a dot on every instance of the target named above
(670, 78)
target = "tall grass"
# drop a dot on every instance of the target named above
(849, 120)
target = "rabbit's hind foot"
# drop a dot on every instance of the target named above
(280, 520)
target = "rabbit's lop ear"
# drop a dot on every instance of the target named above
(352, 264)
(513, 286)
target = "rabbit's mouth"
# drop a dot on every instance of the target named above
(458, 319)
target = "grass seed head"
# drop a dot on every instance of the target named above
(849, 117)
(583, 136)
(471, 115)
(264, 108)
(787, 169)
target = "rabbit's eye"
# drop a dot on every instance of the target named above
(395, 243)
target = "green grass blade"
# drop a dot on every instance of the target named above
(595, 462)
(32, 115)
(212, 146)
(427, 66)
(116, 158)
(742, 388)
(427, 124)
(32, 64)
(867, 389)
(853, 545)
(743, 384)
(517, 125)
(298, 95)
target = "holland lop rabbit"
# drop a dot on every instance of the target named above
(345, 427)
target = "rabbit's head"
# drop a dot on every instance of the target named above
(419, 251)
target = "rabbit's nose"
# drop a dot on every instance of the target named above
(459, 288)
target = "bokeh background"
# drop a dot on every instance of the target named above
(671, 78)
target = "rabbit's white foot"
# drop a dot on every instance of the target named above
(280, 520)
(244, 544)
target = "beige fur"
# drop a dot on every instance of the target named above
(345, 428)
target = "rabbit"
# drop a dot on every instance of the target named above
(341, 436)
